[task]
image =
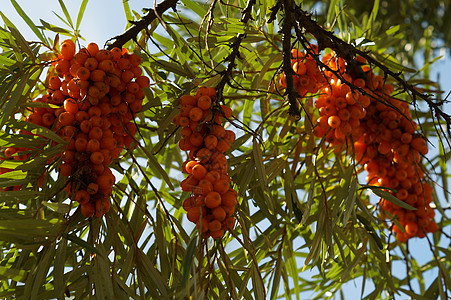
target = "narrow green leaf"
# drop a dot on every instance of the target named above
(28, 21)
(155, 164)
(54, 28)
(390, 197)
(6, 61)
(81, 242)
(81, 12)
(8, 273)
(15, 99)
(433, 290)
(66, 13)
(188, 260)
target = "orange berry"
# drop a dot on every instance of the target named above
(199, 171)
(93, 145)
(193, 214)
(88, 209)
(195, 114)
(217, 234)
(219, 213)
(221, 186)
(190, 165)
(82, 196)
(203, 187)
(230, 223)
(229, 199)
(223, 146)
(211, 141)
(196, 139)
(65, 170)
(204, 102)
(92, 49)
(226, 111)
(83, 73)
(97, 158)
(67, 49)
(334, 121)
(188, 100)
(212, 199)
(202, 224)
(142, 81)
(92, 188)
(214, 225)
(411, 228)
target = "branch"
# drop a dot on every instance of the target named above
(288, 23)
(143, 23)
(327, 39)
(245, 17)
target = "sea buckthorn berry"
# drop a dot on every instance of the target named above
(195, 114)
(199, 171)
(213, 199)
(204, 102)
(67, 49)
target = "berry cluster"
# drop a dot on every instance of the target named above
(211, 204)
(384, 137)
(357, 113)
(307, 76)
(94, 95)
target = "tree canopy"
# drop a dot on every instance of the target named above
(273, 149)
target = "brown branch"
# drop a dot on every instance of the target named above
(327, 39)
(226, 75)
(143, 23)
(288, 23)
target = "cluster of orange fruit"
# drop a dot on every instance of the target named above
(212, 201)
(307, 77)
(94, 95)
(386, 142)
(376, 127)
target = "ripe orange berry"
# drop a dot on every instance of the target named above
(230, 223)
(88, 209)
(204, 102)
(97, 158)
(195, 114)
(229, 199)
(221, 186)
(411, 228)
(217, 234)
(92, 49)
(212, 199)
(82, 196)
(67, 49)
(219, 213)
(194, 213)
(226, 111)
(334, 121)
(214, 225)
(199, 171)
(202, 225)
(190, 165)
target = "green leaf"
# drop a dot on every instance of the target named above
(433, 290)
(81, 12)
(386, 195)
(81, 243)
(16, 98)
(8, 273)
(54, 28)
(66, 13)
(188, 260)
(28, 21)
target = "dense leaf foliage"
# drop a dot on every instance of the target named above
(308, 223)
